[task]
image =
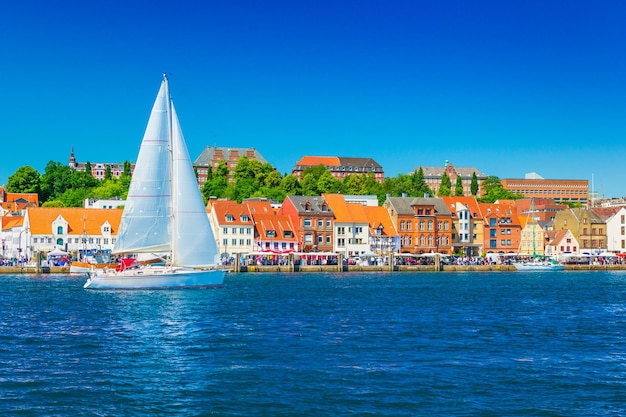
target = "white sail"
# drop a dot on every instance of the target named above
(193, 241)
(145, 225)
(164, 212)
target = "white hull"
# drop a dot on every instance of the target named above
(154, 277)
(537, 266)
(84, 267)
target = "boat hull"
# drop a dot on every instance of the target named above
(78, 267)
(530, 266)
(154, 277)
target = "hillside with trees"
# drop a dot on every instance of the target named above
(62, 186)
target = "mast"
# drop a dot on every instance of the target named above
(171, 161)
(532, 216)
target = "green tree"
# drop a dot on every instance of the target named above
(494, 191)
(55, 180)
(458, 187)
(328, 184)
(26, 179)
(474, 184)
(419, 184)
(273, 180)
(445, 188)
(108, 174)
(309, 184)
(290, 185)
(217, 186)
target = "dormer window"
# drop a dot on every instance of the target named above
(307, 206)
(270, 233)
(230, 218)
(244, 218)
(60, 230)
(288, 233)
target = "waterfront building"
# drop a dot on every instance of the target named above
(340, 167)
(560, 243)
(99, 169)
(423, 224)
(383, 236)
(502, 228)
(211, 156)
(588, 228)
(313, 219)
(467, 225)
(273, 233)
(232, 226)
(615, 220)
(71, 229)
(13, 236)
(433, 175)
(532, 237)
(535, 186)
(351, 226)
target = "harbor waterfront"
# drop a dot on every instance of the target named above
(343, 268)
(319, 344)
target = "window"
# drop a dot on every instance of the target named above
(241, 230)
(229, 218)
(234, 230)
(245, 218)
(320, 223)
(408, 225)
(401, 224)
(307, 222)
(328, 223)
(60, 230)
(225, 230)
(341, 230)
(492, 222)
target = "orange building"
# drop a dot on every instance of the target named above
(423, 224)
(502, 228)
(313, 219)
(340, 167)
(14, 203)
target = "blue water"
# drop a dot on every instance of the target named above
(399, 344)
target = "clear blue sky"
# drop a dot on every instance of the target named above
(507, 87)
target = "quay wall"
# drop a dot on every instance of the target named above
(337, 268)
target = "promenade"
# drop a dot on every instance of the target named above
(341, 268)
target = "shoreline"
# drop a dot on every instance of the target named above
(32, 270)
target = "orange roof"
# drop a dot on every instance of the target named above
(9, 222)
(470, 202)
(345, 212)
(332, 161)
(79, 219)
(378, 215)
(223, 208)
(277, 222)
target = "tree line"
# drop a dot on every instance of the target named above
(62, 186)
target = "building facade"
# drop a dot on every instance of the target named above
(314, 221)
(99, 169)
(340, 167)
(433, 175)
(534, 186)
(211, 156)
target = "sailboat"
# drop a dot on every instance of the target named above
(164, 214)
(537, 263)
